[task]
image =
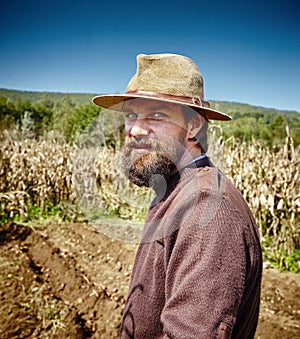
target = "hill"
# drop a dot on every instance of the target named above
(236, 109)
(70, 113)
(55, 97)
(232, 108)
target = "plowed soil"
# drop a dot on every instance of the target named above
(70, 281)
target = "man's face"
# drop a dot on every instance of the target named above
(155, 139)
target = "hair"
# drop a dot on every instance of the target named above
(201, 136)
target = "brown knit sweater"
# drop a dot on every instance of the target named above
(197, 271)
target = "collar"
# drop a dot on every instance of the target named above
(202, 156)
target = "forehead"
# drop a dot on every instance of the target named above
(150, 105)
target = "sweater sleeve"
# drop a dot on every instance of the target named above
(206, 268)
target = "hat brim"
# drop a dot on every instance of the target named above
(115, 102)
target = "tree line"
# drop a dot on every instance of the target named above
(68, 117)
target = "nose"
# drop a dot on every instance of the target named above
(139, 128)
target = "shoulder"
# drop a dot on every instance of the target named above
(205, 191)
(197, 181)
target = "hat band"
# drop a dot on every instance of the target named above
(187, 100)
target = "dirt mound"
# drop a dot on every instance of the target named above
(70, 281)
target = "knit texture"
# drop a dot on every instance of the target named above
(197, 271)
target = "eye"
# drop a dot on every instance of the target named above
(131, 116)
(158, 115)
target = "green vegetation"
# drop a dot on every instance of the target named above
(65, 117)
(69, 114)
(53, 97)
(260, 123)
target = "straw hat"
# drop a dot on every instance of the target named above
(166, 77)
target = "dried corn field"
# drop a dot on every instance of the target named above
(47, 173)
(269, 181)
(34, 173)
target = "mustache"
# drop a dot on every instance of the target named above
(145, 143)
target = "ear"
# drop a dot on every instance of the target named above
(194, 126)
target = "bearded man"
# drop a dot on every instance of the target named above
(197, 271)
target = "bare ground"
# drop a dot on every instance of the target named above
(70, 281)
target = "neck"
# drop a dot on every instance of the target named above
(188, 156)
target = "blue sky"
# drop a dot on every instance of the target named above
(247, 51)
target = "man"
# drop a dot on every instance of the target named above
(197, 270)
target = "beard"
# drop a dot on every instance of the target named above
(147, 169)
